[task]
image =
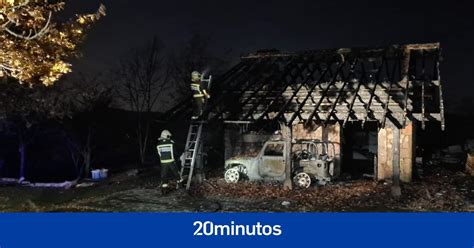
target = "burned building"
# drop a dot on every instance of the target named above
(368, 101)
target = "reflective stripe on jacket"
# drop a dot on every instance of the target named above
(196, 88)
(165, 150)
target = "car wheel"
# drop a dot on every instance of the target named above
(232, 175)
(302, 180)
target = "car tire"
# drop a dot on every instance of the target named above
(232, 175)
(302, 180)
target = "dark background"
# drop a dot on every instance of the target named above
(237, 27)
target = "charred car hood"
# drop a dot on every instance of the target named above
(243, 160)
(240, 158)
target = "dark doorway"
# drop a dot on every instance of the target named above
(359, 149)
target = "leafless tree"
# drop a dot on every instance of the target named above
(144, 78)
(88, 96)
(194, 54)
(23, 109)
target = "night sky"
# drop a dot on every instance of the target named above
(245, 26)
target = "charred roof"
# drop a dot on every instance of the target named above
(395, 83)
(398, 83)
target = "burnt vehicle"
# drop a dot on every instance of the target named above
(312, 162)
(269, 164)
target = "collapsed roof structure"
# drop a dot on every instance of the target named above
(393, 83)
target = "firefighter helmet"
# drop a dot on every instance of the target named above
(165, 134)
(195, 76)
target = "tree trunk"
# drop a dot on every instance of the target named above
(140, 141)
(145, 141)
(87, 154)
(142, 152)
(87, 164)
(141, 148)
(75, 156)
(80, 172)
(142, 136)
(22, 151)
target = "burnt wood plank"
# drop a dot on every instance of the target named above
(323, 94)
(309, 93)
(287, 69)
(341, 91)
(280, 93)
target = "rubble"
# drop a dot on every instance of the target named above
(469, 147)
(470, 163)
(132, 173)
(454, 155)
(440, 190)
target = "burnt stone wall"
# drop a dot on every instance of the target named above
(330, 132)
(385, 152)
(246, 144)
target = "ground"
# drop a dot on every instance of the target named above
(439, 189)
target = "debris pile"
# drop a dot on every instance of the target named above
(470, 157)
(470, 163)
(440, 190)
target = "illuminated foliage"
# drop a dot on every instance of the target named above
(33, 46)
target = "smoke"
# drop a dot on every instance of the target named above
(205, 71)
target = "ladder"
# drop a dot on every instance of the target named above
(191, 151)
(193, 147)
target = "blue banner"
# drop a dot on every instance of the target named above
(237, 230)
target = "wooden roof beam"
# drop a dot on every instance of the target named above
(339, 93)
(300, 107)
(291, 64)
(391, 79)
(237, 77)
(372, 93)
(406, 80)
(248, 78)
(441, 101)
(334, 78)
(423, 114)
(303, 82)
(354, 96)
(280, 93)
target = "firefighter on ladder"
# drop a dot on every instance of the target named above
(165, 149)
(200, 94)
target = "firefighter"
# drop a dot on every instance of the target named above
(200, 94)
(165, 149)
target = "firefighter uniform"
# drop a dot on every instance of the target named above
(200, 94)
(165, 150)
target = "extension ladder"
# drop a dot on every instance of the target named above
(192, 149)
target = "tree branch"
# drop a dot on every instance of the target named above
(30, 36)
